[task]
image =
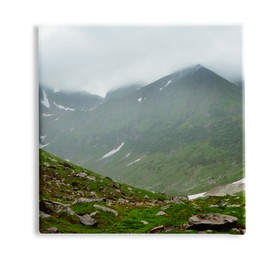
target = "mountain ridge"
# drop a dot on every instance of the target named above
(182, 133)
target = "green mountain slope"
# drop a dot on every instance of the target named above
(181, 134)
(76, 200)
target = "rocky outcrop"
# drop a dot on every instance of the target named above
(50, 207)
(212, 221)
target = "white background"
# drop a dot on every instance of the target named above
(19, 130)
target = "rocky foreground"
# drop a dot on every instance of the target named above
(75, 200)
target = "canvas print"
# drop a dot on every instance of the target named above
(141, 129)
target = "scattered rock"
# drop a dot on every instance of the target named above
(109, 203)
(214, 206)
(233, 206)
(222, 203)
(213, 221)
(93, 195)
(146, 196)
(53, 230)
(87, 220)
(70, 211)
(43, 215)
(165, 207)
(160, 213)
(93, 213)
(144, 222)
(103, 208)
(122, 201)
(49, 207)
(81, 174)
(84, 200)
(91, 178)
(157, 229)
(235, 231)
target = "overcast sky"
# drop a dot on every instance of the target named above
(98, 58)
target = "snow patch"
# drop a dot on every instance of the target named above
(43, 145)
(169, 82)
(127, 155)
(56, 90)
(64, 108)
(57, 119)
(45, 100)
(72, 129)
(47, 115)
(195, 196)
(240, 181)
(136, 160)
(42, 137)
(140, 99)
(113, 151)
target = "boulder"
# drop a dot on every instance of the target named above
(53, 230)
(86, 220)
(213, 221)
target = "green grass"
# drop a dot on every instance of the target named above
(59, 183)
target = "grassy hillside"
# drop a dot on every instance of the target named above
(71, 196)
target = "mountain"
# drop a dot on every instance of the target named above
(181, 134)
(76, 200)
(122, 91)
(59, 101)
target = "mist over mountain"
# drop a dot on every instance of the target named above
(180, 134)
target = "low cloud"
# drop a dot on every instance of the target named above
(97, 58)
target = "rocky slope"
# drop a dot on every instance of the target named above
(76, 200)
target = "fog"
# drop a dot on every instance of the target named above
(98, 58)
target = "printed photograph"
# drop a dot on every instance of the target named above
(141, 129)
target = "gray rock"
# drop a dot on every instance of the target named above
(144, 222)
(43, 215)
(49, 207)
(103, 208)
(213, 221)
(70, 211)
(165, 207)
(93, 213)
(93, 195)
(81, 174)
(160, 213)
(157, 229)
(84, 200)
(122, 201)
(53, 230)
(86, 220)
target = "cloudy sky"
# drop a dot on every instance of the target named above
(98, 58)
